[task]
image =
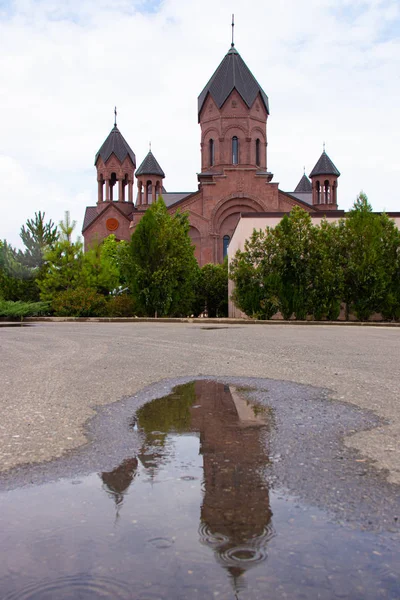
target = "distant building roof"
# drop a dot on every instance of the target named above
(232, 73)
(172, 198)
(324, 166)
(150, 166)
(304, 185)
(115, 144)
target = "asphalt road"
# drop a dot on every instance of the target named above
(53, 375)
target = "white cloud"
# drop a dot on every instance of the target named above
(330, 70)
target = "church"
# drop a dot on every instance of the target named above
(233, 111)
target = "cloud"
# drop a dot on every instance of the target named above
(329, 68)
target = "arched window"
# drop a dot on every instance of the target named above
(148, 192)
(318, 187)
(211, 152)
(235, 151)
(258, 159)
(113, 181)
(327, 192)
(225, 243)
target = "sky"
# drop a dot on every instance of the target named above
(331, 70)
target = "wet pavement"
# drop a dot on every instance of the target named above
(210, 489)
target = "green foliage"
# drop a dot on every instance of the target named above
(79, 302)
(62, 270)
(326, 273)
(122, 305)
(212, 290)
(14, 310)
(302, 269)
(162, 268)
(369, 257)
(38, 237)
(17, 282)
(256, 276)
(168, 414)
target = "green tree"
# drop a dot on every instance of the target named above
(212, 289)
(256, 275)
(326, 273)
(62, 270)
(294, 247)
(38, 237)
(365, 252)
(162, 267)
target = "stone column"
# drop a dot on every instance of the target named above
(153, 191)
(100, 191)
(130, 191)
(121, 195)
(107, 189)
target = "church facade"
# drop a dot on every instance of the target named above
(233, 112)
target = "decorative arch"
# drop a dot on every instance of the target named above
(211, 130)
(231, 205)
(235, 127)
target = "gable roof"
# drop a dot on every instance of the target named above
(232, 73)
(150, 166)
(91, 214)
(304, 185)
(115, 144)
(324, 166)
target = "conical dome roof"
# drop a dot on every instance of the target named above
(233, 73)
(304, 185)
(115, 144)
(150, 166)
(324, 166)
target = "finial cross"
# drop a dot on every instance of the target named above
(115, 116)
(233, 30)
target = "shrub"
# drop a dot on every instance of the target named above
(18, 310)
(79, 302)
(122, 305)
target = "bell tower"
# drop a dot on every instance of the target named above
(233, 110)
(324, 183)
(115, 164)
(149, 177)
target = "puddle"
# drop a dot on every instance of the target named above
(189, 513)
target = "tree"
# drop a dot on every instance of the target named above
(37, 237)
(212, 290)
(63, 263)
(326, 273)
(162, 267)
(367, 271)
(256, 275)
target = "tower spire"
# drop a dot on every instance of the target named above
(233, 31)
(115, 116)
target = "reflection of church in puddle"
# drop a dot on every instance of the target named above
(235, 519)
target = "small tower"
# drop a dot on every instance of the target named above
(149, 181)
(324, 178)
(115, 163)
(304, 186)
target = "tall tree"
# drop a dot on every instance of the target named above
(37, 237)
(63, 263)
(162, 265)
(366, 273)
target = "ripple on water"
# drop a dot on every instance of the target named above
(161, 542)
(73, 587)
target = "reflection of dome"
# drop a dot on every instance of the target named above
(117, 482)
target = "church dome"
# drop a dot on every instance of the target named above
(232, 74)
(150, 167)
(324, 166)
(115, 144)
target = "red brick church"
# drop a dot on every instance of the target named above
(233, 110)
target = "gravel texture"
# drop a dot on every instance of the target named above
(54, 375)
